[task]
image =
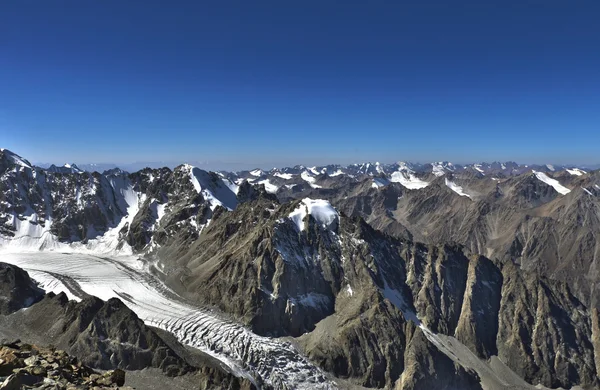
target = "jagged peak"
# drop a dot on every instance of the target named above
(15, 158)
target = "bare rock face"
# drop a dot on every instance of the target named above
(511, 218)
(17, 290)
(360, 295)
(104, 335)
(478, 326)
(349, 291)
(545, 333)
(427, 368)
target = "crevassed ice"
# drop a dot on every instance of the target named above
(248, 355)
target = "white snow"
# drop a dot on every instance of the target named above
(456, 188)
(336, 173)
(440, 168)
(269, 187)
(257, 172)
(28, 234)
(240, 180)
(16, 159)
(408, 179)
(231, 185)
(550, 167)
(158, 209)
(586, 190)
(321, 210)
(478, 167)
(576, 172)
(379, 182)
(552, 182)
(309, 179)
(285, 176)
(349, 290)
(314, 171)
(248, 355)
(49, 282)
(214, 190)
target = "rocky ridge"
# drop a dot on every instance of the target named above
(371, 307)
(376, 308)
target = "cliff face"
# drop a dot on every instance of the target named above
(17, 290)
(346, 277)
(365, 303)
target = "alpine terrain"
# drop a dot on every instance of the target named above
(369, 276)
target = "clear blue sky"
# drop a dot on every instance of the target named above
(286, 82)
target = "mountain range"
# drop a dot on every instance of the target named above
(397, 276)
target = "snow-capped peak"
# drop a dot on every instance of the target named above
(406, 176)
(321, 210)
(257, 172)
(16, 159)
(314, 171)
(439, 168)
(216, 190)
(307, 177)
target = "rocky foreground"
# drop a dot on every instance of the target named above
(91, 334)
(29, 366)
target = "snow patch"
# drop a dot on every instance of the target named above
(321, 210)
(440, 168)
(552, 182)
(456, 188)
(212, 188)
(407, 178)
(16, 159)
(284, 176)
(576, 172)
(314, 171)
(309, 179)
(379, 182)
(269, 187)
(349, 290)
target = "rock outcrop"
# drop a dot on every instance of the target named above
(359, 299)
(29, 366)
(17, 290)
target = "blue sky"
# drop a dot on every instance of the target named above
(312, 82)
